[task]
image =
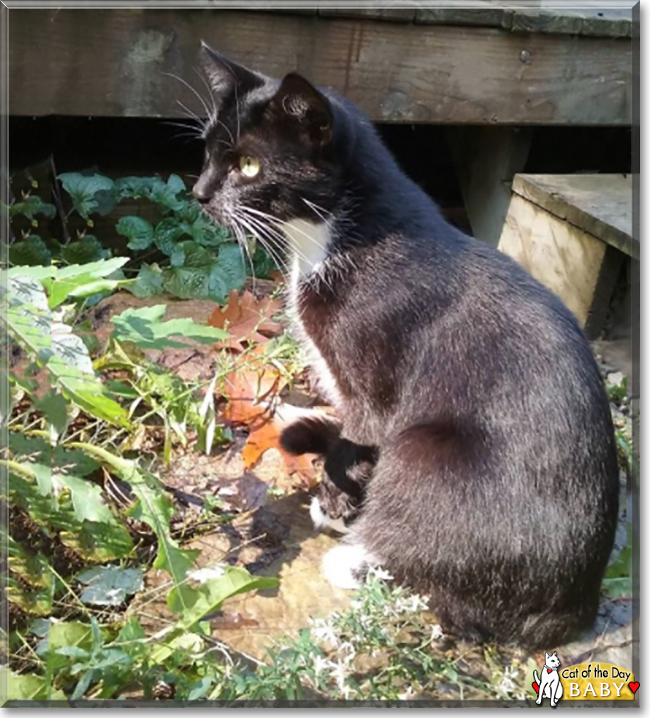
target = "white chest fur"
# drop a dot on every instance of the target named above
(309, 243)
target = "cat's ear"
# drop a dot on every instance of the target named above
(225, 75)
(298, 102)
(547, 656)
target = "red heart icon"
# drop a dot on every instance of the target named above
(548, 670)
(536, 686)
(634, 687)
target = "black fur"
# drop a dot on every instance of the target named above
(310, 436)
(496, 484)
(348, 466)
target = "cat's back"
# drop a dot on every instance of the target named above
(481, 334)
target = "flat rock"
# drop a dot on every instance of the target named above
(277, 539)
(253, 623)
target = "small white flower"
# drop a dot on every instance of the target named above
(380, 573)
(408, 694)
(348, 648)
(322, 630)
(321, 664)
(205, 574)
(436, 632)
(507, 683)
(418, 603)
(340, 672)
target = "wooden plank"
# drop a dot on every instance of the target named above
(601, 301)
(607, 22)
(564, 258)
(112, 62)
(550, 21)
(288, 10)
(590, 22)
(489, 15)
(598, 204)
(392, 14)
(486, 159)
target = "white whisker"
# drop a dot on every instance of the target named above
(279, 237)
(192, 89)
(243, 248)
(215, 109)
(280, 224)
(276, 252)
(190, 114)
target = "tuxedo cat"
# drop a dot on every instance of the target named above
(494, 480)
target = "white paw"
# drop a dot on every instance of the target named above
(343, 564)
(322, 520)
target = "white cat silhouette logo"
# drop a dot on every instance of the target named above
(550, 685)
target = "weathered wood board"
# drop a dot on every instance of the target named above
(113, 63)
(564, 258)
(572, 232)
(594, 22)
(599, 204)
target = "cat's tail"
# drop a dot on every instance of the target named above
(536, 677)
(307, 431)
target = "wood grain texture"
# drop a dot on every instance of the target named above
(391, 14)
(598, 204)
(112, 62)
(589, 22)
(489, 15)
(564, 258)
(601, 302)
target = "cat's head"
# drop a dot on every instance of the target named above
(269, 149)
(552, 661)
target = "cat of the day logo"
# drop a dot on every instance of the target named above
(594, 681)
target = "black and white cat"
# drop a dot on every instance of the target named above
(487, 459)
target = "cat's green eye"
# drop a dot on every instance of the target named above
(249, 166)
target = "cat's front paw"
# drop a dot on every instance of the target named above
(321, 520)
(346, 566)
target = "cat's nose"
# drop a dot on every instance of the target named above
(202, 191)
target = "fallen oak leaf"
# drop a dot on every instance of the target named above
(252, 394)
(245, 318)
(253, 397)
(264, 434)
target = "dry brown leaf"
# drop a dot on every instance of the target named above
(251, 394)
(264, 434)
(246, 318)
(252, 397)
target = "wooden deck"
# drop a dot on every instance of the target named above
(485, 66)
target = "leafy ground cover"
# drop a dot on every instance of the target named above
(144, 480)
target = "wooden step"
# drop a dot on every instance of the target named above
(573, 233)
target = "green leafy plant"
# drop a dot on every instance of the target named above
(194, 258)
(72, 551)
(202, 261)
